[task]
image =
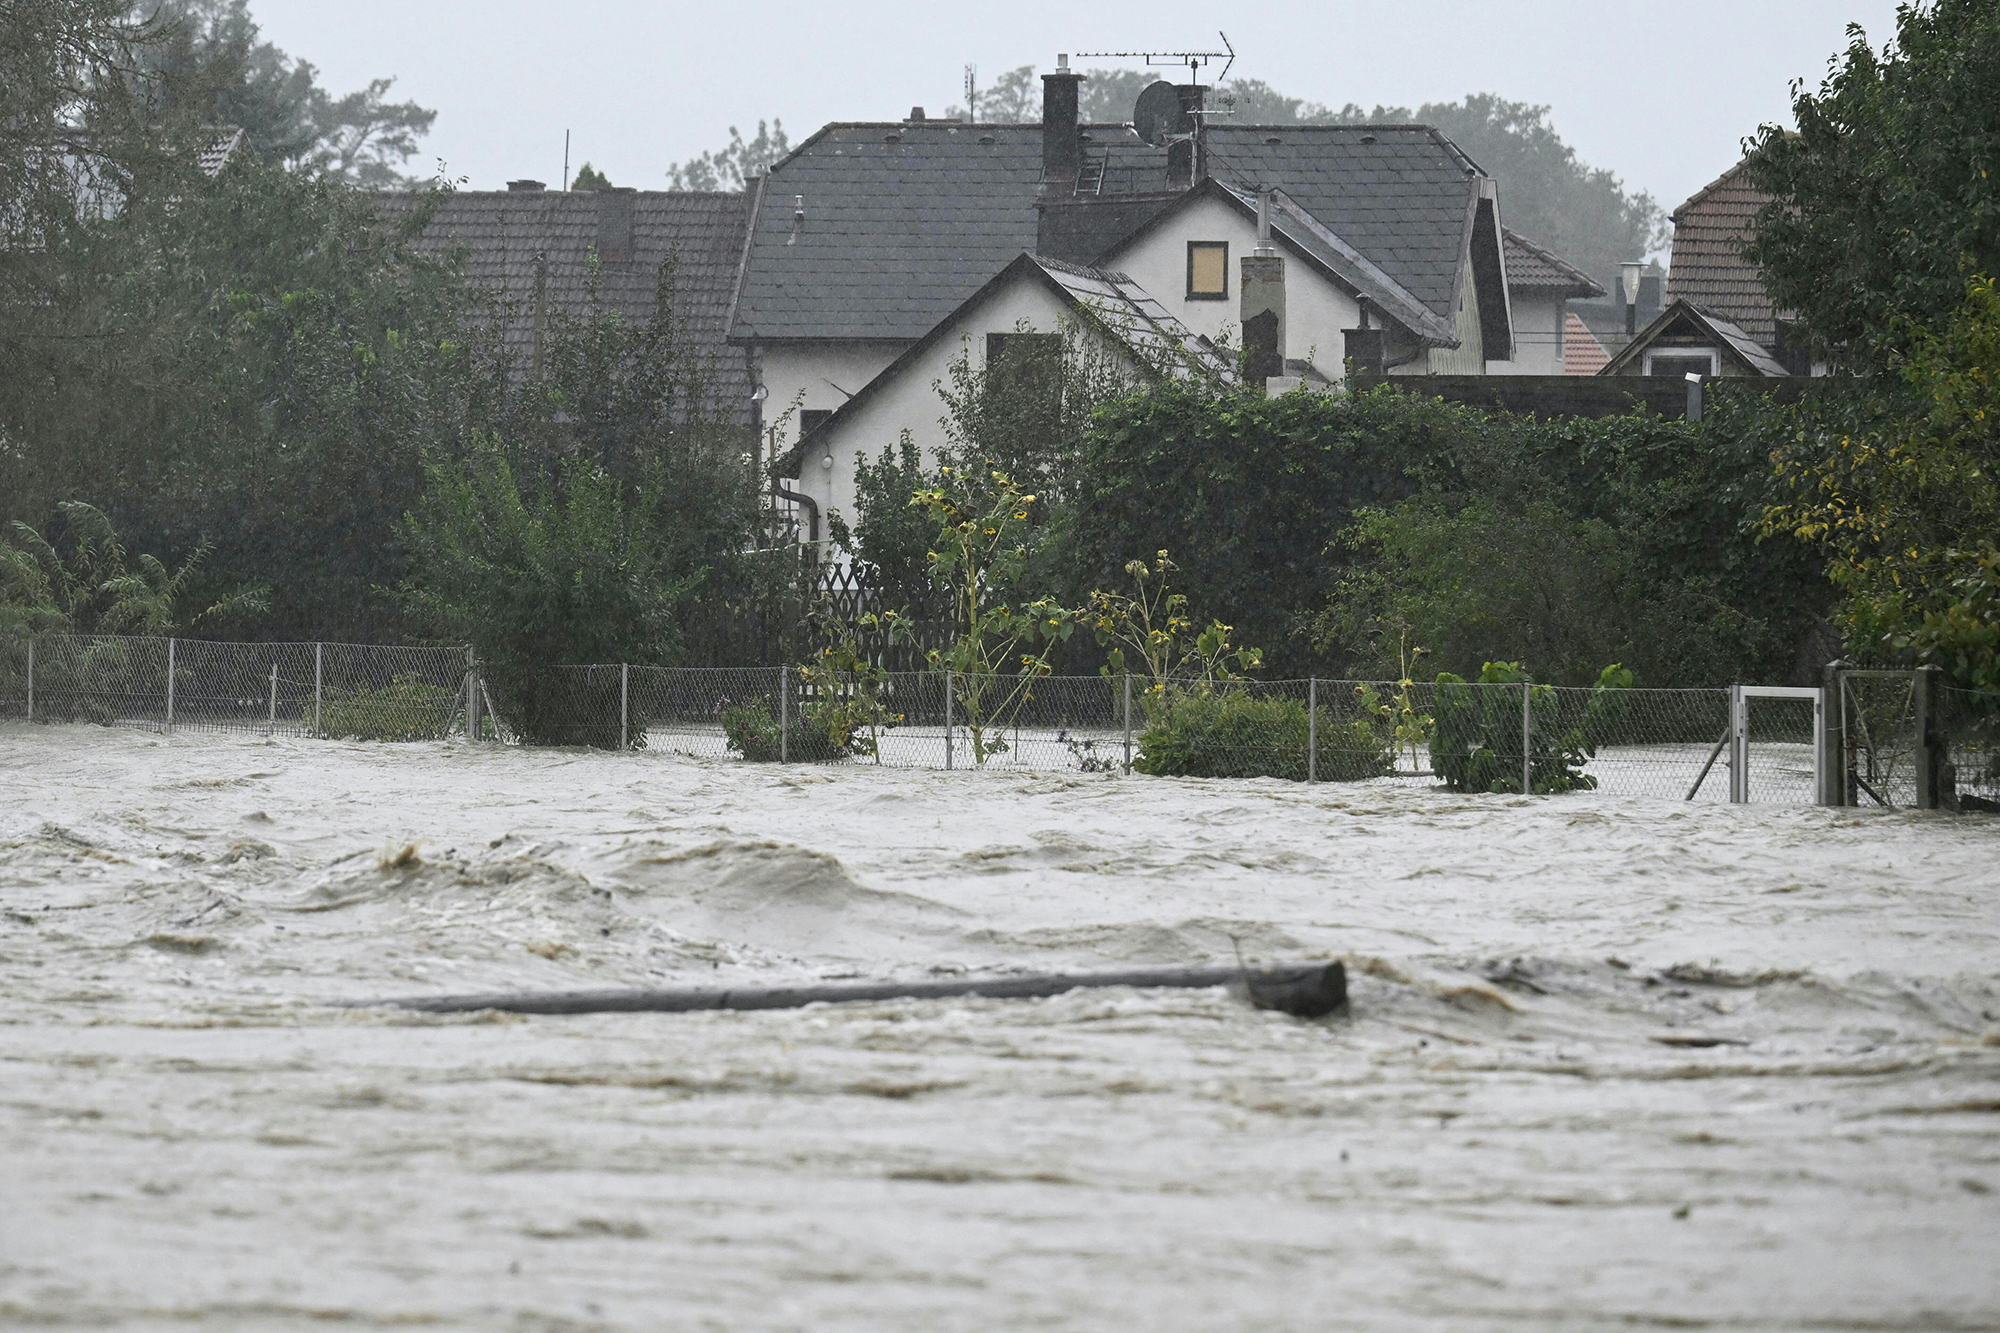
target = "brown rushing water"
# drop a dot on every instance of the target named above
(1608, 1063)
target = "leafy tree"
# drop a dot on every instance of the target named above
(93, 589)
(256, 358)
(605, 487)
(286, 116)
(1249, 492)
(589, 178)
(727, 168)
(1886, 198)
(890, 535)
(978, 560)
(532, 572)
(1013, 98)
(1906, 507)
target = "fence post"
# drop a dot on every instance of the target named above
(1312, 728)
(1527, 739)
(471, 695)
(1927, 756)
(1739, 746)
(170, 684)
(1128, 722)
(318, 676)
(271, 718)
(31, 680)
(947, 718)
(784, 718)
(1833, 737)
(624, 697)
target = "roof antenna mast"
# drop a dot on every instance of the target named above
(1199, 111)
(565, 161)
(1194, 60)
(972, 94)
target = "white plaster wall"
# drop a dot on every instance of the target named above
(815, 375)
(911, 401)
(1538, 334)
(1316, 311)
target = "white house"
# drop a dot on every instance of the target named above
(1033, 294)
(871, 241)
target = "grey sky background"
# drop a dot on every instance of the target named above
(1662, 95)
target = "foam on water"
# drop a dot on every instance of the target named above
(1608, 1061)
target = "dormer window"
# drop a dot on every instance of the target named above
(1208, 271)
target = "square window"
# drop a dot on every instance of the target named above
(1208, 271)
(810, 419)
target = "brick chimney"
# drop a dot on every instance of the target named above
(525, 187)
(1062, 145)
(614, 223)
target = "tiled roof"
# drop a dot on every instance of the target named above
(1531, 268)
(904, 221)
(1402, 195)
(1582, 353)
(1708, 267)
(509, 233)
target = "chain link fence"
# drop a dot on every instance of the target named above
(331, 690)
(1883, 736)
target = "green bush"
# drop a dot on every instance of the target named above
(753, 733)
(408, 708)
(1476, 730)
(1236, 734)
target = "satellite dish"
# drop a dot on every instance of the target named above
(1158, 113)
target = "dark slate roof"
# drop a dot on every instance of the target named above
(1110, 300)
(1677, 318)
(1403, 195)
(1708, 266)
(904, 221)
(508, 233)
(1531, 268)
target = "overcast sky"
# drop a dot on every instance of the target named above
(1661, 94)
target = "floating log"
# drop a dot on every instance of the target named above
(1307, 990)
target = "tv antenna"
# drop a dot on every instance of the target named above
(1194, 60)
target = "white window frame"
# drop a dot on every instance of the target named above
(1683, 353)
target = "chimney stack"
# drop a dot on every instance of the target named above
(1263, 304)
(1062, 144)
(1184, 164)
(614, 223)
(525, 187)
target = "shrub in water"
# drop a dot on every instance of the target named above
(1234, 734)
(1476, 730)
(753, 732)
(408, 708)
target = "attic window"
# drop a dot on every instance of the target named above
(1272, 138)
(1208, 271)
(1368, 138)
(987, 138)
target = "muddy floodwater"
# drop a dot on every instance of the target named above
(1609, 1063)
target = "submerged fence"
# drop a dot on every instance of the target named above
(1886, 738)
